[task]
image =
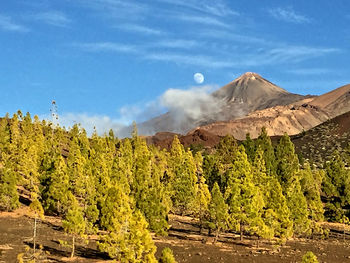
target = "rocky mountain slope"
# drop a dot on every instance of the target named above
(292, 119)
(246, 94)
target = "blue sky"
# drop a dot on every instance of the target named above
(107, 62)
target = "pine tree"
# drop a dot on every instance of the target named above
(288, 163)
(265, 144)
(55, 181)
(250, 148)
(218, 211)
(202, 199)
(224, 157)
(9, 199)
(311, 182)
(38, 212)
(183, 179)
(147, 189)
(100, 166)
(185, 184)
(276, 213)
(309, 257)
(336, 186)
(288, 174)
(243, 197)
(127, 238)
(140, 243)
(211, 171)
(167, 256)
(123, 165)
(73, 223)
(4, 134)
(298, 208)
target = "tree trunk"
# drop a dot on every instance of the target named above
(73, 246)
(34, 235)
(241, 231)
(217, 235)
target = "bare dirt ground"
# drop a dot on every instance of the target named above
(184, 238)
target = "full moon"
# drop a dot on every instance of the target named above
(198, 78)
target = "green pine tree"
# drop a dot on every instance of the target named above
(167, 256)
(243, 197)
(250, 148)
(276, 213)
(309, 257)
(288, 174)
(265, 144)
(311, 182)
(127, 238)
(183, 178)
(9, 199)
(218, 211)
(336, 187)
(74, 223)
(147, 190)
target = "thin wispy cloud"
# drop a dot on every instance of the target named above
(236, 37)
(188, 59)
(217, 8)
(298, 53)
(204, 20)
(7, 24)
(177, 43)
(53, 18)
(118, 8)
(309, 71)
(280, 54)
(106, 47)
(288, 15)
(141, 29)
(283, 55)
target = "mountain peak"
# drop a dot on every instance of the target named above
(249, 75)
(249, 87)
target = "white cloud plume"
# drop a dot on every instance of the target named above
(182, 104)
(288, 15)
(101, 123)
(193, 103)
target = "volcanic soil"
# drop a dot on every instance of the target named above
(184, 239)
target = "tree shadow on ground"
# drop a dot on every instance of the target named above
(80, 251)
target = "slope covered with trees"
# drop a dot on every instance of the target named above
(124, 190)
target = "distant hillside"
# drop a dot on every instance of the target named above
(316, 145)
(319, 143)
(199, 138)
